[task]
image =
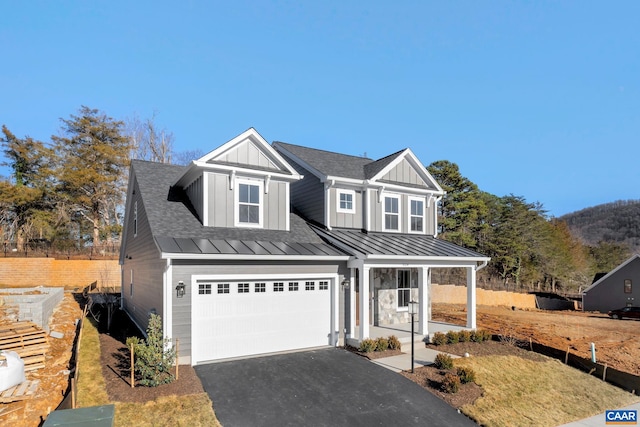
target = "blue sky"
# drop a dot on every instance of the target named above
(539, 99)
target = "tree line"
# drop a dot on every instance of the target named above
(529, 250)
(69, 191)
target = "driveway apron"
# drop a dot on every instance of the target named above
(322, 387)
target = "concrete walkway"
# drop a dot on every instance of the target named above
(402, 362)
(598, 420)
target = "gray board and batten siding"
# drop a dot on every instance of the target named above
(609, 292)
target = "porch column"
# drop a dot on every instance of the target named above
(424, 307)
(364, 302)
(352, 303)
(471, 297)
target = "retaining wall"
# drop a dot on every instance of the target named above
(33, 304)
(452, 294)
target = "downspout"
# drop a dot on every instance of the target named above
(435, 216)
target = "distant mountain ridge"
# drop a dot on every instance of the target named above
(617, 222)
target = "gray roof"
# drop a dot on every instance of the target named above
(175, 226)
(336, 164)
(408, 245)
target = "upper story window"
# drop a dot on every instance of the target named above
(627, 286)
(391, 213)
(346, 201)
(416, 215)
(249, 203)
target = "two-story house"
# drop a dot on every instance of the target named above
(257, 248)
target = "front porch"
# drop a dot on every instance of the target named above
(403, 332)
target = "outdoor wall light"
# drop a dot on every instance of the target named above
(345, 284)
(180, 289)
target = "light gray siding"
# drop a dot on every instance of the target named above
(404, 173)
(195, 193)
(248, 154)
(376, 211)
(345, 220)
(307, 195)
(183, 270)
(610, 295)
(142, 263)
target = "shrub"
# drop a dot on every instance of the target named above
(443, 361)
(480, 335)
(464, 336)
(394, 343)
(439, 338)
(452, 337)
(466, 375)
(153, 357)
(450, 383)
(382, 344)
(367, 345)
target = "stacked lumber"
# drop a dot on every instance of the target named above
(21, 391)
(26, 339)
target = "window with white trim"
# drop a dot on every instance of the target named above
(248, 197)
(243, 288)
(404, 289)
(416, 215)
(204, 288)
(346, 201)
(391, 213)
(278, 287)
(260, 287)
(223, 288)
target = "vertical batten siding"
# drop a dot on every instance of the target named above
(220, 201)
(195, 194)
(404, 173)
(345, 220)
(307, 195)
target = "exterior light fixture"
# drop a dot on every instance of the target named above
(345, 283)
(180, 289)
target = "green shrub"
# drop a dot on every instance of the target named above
(153, 356)
(443, 361)
(439, 338)
(450, 383)
(394, 343)
(452, 337)
(367, 345)
(382, 344)
(464, 336)
(466, 375)
(480, 335)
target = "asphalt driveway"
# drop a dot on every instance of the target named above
(324, 387)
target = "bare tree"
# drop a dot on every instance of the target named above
(148, 141)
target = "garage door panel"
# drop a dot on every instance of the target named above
(241, 324)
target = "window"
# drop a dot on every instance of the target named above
(346, 201)
(416, 215)
(391, 213)
(627, 286)
(249, 203)
(260, 287)
(243, 288)
(293, 286)
(223, 288)
(204, 288)
(404, 289)
(323, 285)
(135, 219)
(309, 286)
(278, 287)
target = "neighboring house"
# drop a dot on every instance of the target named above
(256, 249)
(616, 289)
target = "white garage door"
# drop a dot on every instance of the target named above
(250, 316)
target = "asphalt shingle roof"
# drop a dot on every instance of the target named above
(175, 226)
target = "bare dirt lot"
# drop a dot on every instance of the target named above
(617, 341)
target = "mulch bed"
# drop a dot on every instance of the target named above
(117, 374)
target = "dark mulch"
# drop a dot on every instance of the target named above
(431, 377)
(115, 360)
(374, 354)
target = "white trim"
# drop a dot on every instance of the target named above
(287, 202)
(398, 197)
(249, 257)
(236, 203)
(135, 219)
(352, 193)
(398, 307)
(409, 215)
(167, 306)
(205, 199)
(411, 158)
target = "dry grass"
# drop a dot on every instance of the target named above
(528, 393)
(194, 410)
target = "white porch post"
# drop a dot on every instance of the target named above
(471, 297)
(352, 303)
(424, 300)
(364, 302)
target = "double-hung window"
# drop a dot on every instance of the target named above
(416, 215)
(404, 289)
(249, 203)
(346, 201)
(391, 213)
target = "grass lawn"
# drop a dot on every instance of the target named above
(196, 410)
(524, 392)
